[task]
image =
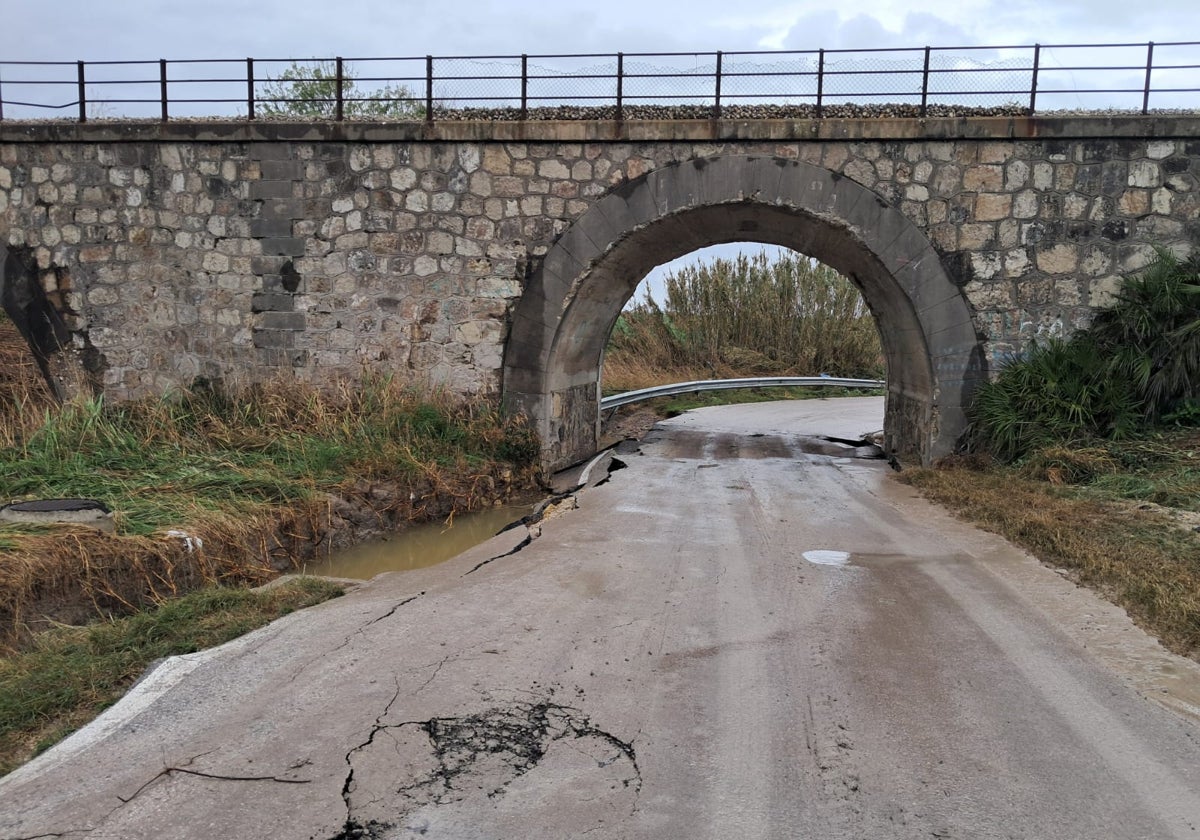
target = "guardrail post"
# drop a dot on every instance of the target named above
(524, 86)
(82, 92)
(341, 105)
(820, 80)
(925, 85)
(429, 89)
(620, 86)
(162, 86)
(1149, 71)
(717, 100)
(1, 103)
(249, 88)
(1037, 57)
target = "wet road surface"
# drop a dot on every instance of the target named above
(663, 661)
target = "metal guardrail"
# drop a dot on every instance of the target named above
(628, 397)
(429, 87)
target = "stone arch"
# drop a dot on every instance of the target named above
(563, 319)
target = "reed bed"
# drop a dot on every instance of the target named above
(750, 316)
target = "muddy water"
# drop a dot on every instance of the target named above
(419, 546)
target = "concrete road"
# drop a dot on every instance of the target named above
(732, 638)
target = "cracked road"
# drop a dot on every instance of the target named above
(664, 661)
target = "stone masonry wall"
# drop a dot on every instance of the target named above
(314, 259)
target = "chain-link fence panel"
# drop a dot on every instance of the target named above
(476, 82)
(670, 80)
(791, 80)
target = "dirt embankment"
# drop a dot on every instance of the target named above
(74, 574)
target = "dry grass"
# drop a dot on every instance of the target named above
(24, 394)
(74, 575)
(1134, 554)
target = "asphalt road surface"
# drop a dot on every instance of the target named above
(747, 633)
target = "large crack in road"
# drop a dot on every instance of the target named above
(405, 768)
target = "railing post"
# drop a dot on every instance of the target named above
(524, 86)
(249, 88)
(717, 100)
(429, 89)
(82, 92)
(620, 86)
(1033, 83)
(162, 86)
(925, 85)
(1, 103)
(820, 79)
(1149, 71)
(341, 105)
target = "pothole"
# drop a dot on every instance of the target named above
(442, 769)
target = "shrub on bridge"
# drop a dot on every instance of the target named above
(311, 90)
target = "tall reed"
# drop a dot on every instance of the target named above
(748, 316)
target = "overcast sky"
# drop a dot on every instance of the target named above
(92, 30)
(149, 29)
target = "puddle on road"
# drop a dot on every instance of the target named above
(825, 557)
(419, 546)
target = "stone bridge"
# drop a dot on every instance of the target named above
(493, 258)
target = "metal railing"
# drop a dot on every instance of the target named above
(918, 81)
(629, 397)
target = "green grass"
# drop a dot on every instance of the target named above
(72, 674)
(235, 466)
(161, 463)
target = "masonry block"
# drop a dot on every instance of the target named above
(292, 246)
(282, 321)
(285, 339)
(272, 302)
(282, 170)
(271, 189)
(260, 228)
